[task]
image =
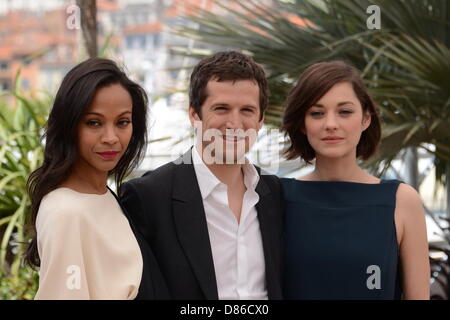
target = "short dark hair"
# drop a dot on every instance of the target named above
(313, 84)
(226, 66)
(72, 100)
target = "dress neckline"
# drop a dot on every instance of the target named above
(86, 194)
(337, 182)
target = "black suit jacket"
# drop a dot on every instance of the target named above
(152, 285)
(167, 207)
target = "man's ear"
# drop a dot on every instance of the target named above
(193, 116)
(261, 123)
(367, 119)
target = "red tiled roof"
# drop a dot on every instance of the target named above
(6, 52)
(144, 28)
(187, 7)
(24, 33)
(19, 20)
(104, 5)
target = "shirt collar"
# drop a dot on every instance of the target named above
(207, 181)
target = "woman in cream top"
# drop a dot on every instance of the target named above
(87, 248)
(84, 244)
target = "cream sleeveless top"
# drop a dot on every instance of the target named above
(87, 248)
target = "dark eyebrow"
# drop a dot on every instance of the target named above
(227, 105)
(339, 104)
(100, 115)
(344, 103)
(219, 104)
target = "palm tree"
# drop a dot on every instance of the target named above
(405, 64)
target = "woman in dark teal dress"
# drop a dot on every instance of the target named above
(348, 234)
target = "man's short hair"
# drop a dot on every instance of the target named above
(226, 66)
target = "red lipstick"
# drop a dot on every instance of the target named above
(108, 154)
(332, 139)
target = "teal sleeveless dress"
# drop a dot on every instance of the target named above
(340, 240)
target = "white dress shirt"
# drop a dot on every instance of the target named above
(237, 248)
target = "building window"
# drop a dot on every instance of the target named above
(136, 42)
(156, 39)
(142, 41)
(25, 84)
(129, 40)
(25, 60)
(4, 85)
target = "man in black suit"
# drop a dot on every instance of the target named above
(212, 219)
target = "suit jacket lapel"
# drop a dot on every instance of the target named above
(191, 226)
(266, 217)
